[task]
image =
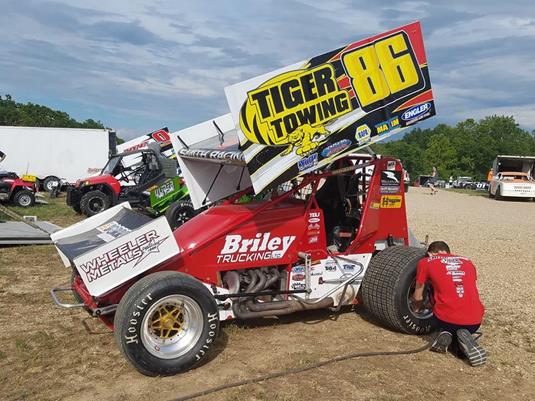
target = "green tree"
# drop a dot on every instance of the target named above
(35, 115)
(467, 148)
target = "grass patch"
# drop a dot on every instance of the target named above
(56, 211)
(3, 355)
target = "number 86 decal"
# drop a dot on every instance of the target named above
(383, 71)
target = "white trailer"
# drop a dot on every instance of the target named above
(54, 154)
(513, 176)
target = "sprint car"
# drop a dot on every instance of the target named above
(336, 238)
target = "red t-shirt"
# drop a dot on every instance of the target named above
(454, 282)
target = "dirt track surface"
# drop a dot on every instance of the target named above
(52, 354)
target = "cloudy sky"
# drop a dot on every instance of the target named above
(140, 65)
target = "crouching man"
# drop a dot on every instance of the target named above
(456, 305)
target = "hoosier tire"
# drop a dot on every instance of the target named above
(166, 323)
(386, 288)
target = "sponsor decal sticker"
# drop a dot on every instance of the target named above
(387, 126)
(375, 205)
(298, 277)
(314, 217)
(391, 165)
(111, 231)
(298, 269)
(261, 247)
(390, 182)
(165, 189)
(363, 134)
(313, 240)
(292, 108)
(298, 286)
(390, 201)
(416, 112)
(335, 148)
(389, 190)
(307, 162)
(130, 253)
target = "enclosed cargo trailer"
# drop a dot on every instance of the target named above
(55, 154)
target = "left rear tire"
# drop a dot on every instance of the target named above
(387, 289)
(166, 323)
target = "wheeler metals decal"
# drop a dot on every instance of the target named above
(331, 105)
(132, 251)
(127, 256)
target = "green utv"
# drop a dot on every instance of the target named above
(145, 178)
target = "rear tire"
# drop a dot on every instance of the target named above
(50, 184)
(166, 323)
(179, 213)
(24, 198)
(94, 202)
(386, 289)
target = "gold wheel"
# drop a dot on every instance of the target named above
(167, 321)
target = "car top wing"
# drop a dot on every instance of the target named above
(302, 117)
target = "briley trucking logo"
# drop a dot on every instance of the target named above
(292, 108)
(133, 251)
(261, 247)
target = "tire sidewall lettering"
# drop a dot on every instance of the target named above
(211, 317)
(132, 332)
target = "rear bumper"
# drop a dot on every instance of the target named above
(518, 191)
(96, 311)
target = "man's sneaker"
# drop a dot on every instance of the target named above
(474, 352)
(442, 342)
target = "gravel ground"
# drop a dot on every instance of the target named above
(499, 237)
(51, 354)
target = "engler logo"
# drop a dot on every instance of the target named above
(261, 247)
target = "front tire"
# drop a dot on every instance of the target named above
(24, 198)
(387, 287)
(179, 213)
(94, 202)
(166, 323)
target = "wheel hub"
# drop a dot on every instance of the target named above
(172, 326)
(167, 321)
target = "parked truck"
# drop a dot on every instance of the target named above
(513, 177)
(54, 155)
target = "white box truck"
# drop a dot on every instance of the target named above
(513, 176)
(55, 154)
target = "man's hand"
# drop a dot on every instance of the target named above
(418, 298)
(416, 306)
